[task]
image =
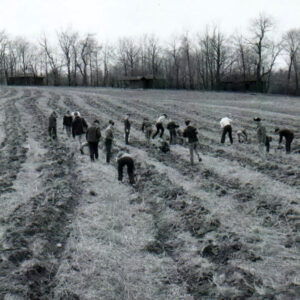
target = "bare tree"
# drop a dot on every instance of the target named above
(291, 45)
(51, 59)
(266, 50)
(67, 41)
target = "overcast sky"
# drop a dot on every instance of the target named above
(111, 19)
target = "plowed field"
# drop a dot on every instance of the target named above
(226, 228)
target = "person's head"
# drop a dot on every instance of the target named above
(54, 114)
(111, 122)
(68, 112)
(146, 119)
(76, 114)
(276, 130)
(165, 116)
(187, 122)
(257, 119)
(127, 116)
(96, 122)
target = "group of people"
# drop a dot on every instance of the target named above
(76, 126)
(263, 138)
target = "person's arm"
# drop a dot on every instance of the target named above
(143, 126)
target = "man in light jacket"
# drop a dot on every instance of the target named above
(160, 126)
(226, 126)
(108, 139)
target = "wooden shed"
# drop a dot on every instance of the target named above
(141, 82)
(26, 79)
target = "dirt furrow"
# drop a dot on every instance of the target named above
(38, 229)
(287, 175)
(221, 183)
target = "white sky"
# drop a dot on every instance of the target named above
(111, 19)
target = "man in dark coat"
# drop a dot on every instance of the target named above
(79, 126)
(52, 125)
(127, 125)
(288, 135)
(125, 159)
(190, 132)
(67, 123)
(93, 136)
(172, 126)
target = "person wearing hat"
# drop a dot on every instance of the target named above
(93, 136)
(226, 126)
(52, 125)
(125, 159)
(127, 125)
(262, 139)
(288, 135)
(147, 129)
(67, 123)
(160, 126)
(190, 133)
(108, 140)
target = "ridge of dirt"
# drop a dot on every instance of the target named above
(38, 229)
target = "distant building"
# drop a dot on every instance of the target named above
(27, 79)
(142, 82)
(242, 86)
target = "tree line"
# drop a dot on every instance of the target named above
(201, 61)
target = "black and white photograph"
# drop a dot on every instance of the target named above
(149, 150)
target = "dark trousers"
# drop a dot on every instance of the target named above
(159, 128)
(108, 146)
(126, 137)
(68, 130)
(93, 146)
(126, 161)
(227, 129)
(52, 132)
(173, 136)
(267, 144)
(288, 142)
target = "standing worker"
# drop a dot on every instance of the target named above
(262, 139)
(109, 137)
(79, 126)
(288, 135)
(52, 125)
(190, 132)
(127, 125)
(67, 123)
(160, 126)
(147, 129)
(172, 127)
(93, 136)
(125, 159)
(226, 126)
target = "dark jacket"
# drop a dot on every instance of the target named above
(52, 121)
(288, 134)
(79, 126)
(67, 120)
(93, 134)
(190, 132)
(127, 125)
(172, 125)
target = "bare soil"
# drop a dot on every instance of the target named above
(226, 228)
